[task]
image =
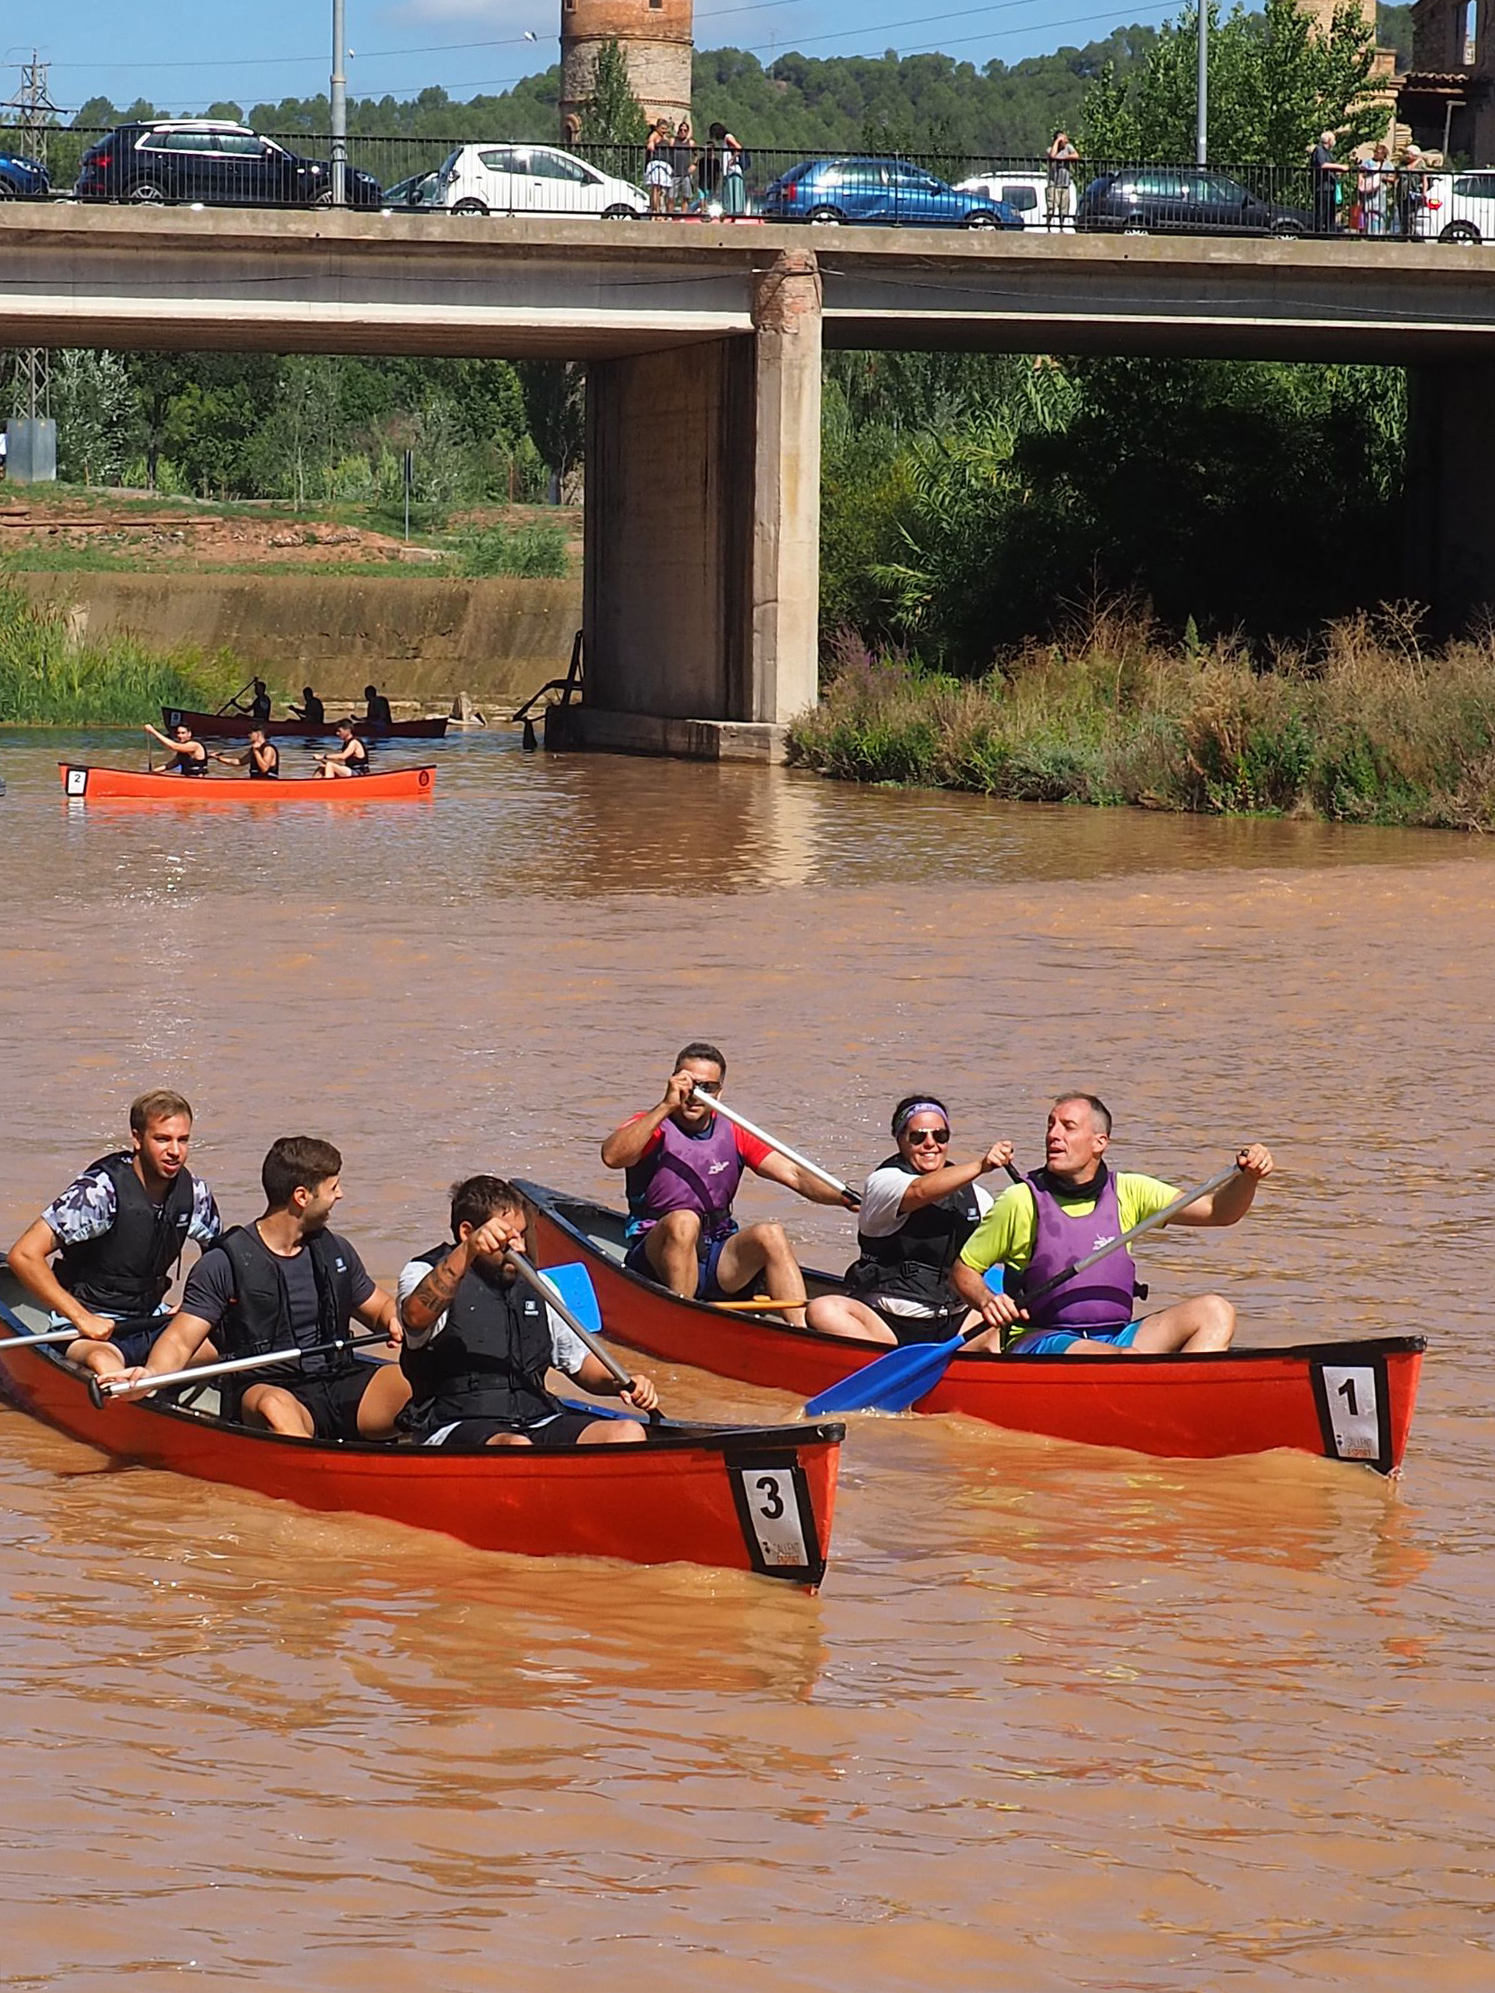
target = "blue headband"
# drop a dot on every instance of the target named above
(918, 1107)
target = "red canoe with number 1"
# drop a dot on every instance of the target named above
(1343, 1400)
(124, 785)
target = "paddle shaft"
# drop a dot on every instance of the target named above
(102, 1389)
(67, 1335)
(552, 1298)
(792, 1155)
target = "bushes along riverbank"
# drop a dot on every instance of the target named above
(48, 679)
(1371, 730)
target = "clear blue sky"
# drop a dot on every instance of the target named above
(183, 54)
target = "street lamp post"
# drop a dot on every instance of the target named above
(339, 110)
(1201, 94)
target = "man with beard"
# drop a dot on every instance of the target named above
(286, 1279)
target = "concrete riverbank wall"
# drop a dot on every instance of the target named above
(419, 637)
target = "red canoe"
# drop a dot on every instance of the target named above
(1343, 1400)
(741, 1498)
(123, 785)
(235, 726)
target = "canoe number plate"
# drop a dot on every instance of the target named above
(77, 781)
(778, 1523)
(1353, 1411)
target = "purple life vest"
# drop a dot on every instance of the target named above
(1102, 1296)
(684, 1172)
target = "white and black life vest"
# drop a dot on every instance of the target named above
(259, 1316)
(914, 1262)
(127, 1270)
(490, 1359)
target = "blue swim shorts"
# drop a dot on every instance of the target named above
(708, 1252)
(1054, 1342)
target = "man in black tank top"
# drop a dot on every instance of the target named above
(288, 1281)
(261, 757)
(189, 754)
(349, 757)
(118, 1231)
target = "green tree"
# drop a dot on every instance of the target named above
(612, 116)
(1275, 83)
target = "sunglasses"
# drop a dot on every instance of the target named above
(916, 1136)
(708, 1086)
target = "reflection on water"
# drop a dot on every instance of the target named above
(1061, 1718)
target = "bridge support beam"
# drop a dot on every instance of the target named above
(701, 596)
(1450, 511)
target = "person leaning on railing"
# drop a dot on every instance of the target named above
(1411, 192)
(1373, 189)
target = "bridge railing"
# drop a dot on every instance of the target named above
(704, 179)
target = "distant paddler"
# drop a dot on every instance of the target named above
(261, 757)
(311, 709)
(919, 1208)
(189, 754)
(683, 1163)
(349, 757)
(1063, 1214)
(118, 1231)
(376, 709)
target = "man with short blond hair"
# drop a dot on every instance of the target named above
(118, 1231)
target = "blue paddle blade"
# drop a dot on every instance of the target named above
(890, 1383)
(574, 1285)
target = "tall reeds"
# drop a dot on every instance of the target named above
(1368, 728)
(50, 677)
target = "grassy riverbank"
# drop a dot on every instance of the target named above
(48, 679)
(1369, 729)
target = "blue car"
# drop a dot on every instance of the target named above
(879, 190)
(22, 179)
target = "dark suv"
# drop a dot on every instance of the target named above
(196, 159)
(1185, 200)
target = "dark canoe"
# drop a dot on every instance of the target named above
(1348, 1401)
(235, 726)
(743, 1498)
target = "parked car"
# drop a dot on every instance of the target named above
(1148, 200)
(879, 190)
(532, 179)
(201, 159)
(1457, 207)
(22, 179)
(1022, 192)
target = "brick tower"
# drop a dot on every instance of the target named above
(655, 35)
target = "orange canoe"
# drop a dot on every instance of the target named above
(1348, 1401)
(744, 1498)
(124, 785)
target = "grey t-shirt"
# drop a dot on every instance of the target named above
(210, 1288)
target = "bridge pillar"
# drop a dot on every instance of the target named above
(1450, 509)
(701, 590)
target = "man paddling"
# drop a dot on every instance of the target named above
(376, 708)
(119, 1230)
(683, 1163)
(311, 708)
(288, 1280)
(477, 1345)
(188, 752)
(1061, 1214)
(349, 757)
(261, 757)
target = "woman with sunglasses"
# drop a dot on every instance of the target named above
(918, 1210)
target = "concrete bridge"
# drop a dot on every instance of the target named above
(703, 345)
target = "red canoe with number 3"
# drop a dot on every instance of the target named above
(124, 785)
(744, 1498)
(1343, 1400)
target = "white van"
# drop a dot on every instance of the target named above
(1022, 191)
(532, 179)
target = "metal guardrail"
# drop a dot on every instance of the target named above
(698, 179)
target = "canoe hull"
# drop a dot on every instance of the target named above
(1350, 1401)
(125, 785)
(733, 1498)
(235, 726)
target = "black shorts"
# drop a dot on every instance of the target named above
(332, 1401)
(556, 1429)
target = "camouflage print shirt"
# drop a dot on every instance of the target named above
(86, 1210)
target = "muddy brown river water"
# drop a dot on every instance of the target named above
(1061, 1718)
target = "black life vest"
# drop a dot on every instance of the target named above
(259, 1316)
(915, 1262)
(489, 1361)
(270, 774)
(128, 1270)
(189, 763)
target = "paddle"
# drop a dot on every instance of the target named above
(793, 1155)
(232, 705)
(67, 1335)
(551, 1295)
(102, 1389)
(893, 1382)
